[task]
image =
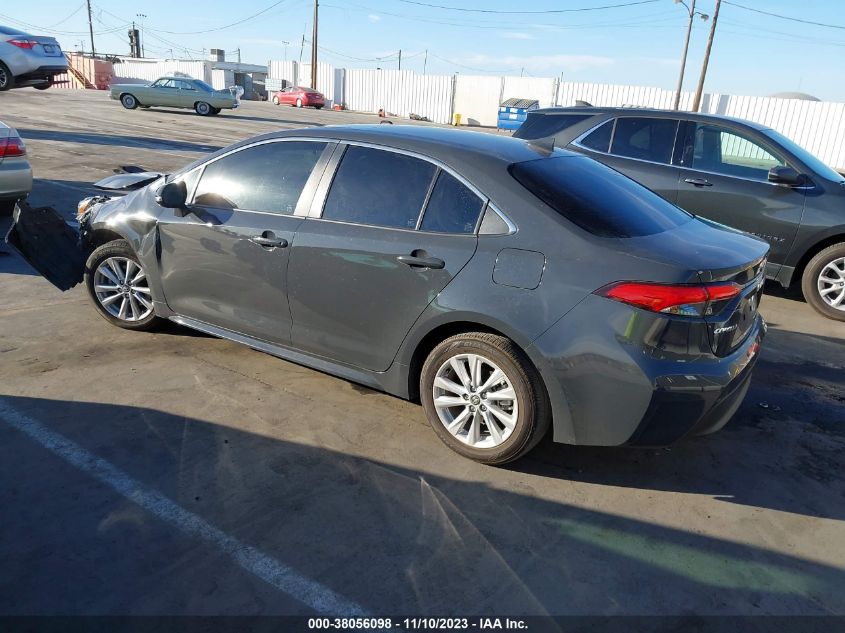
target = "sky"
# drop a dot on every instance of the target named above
(753, 53)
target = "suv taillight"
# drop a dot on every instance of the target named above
(679, 299)
(12, 147)
(27, 44)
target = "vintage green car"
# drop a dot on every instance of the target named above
(175, 92)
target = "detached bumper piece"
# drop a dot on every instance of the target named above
(42, 237)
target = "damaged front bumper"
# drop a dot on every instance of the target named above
(52, 247)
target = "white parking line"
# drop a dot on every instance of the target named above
(309, 592)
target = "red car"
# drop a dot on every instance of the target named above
(299, 96)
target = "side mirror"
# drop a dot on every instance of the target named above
(173, 195)
(782, 175)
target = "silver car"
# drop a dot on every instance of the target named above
(15, 172)
(29, 60)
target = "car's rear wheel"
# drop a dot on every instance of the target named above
(275, 100)
(483, 397)
(202, 108)
(119, 287)
(44, 85)
(823, 282)
(128, 101)
(299, 103)
(318, 107)
(7, 79)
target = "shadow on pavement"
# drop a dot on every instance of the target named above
(391, 538)
(92, 138)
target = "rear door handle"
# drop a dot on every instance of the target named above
(269, 242)
(420, 259)
(699, 182)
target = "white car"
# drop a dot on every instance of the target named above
(29, 60)
(15, 172)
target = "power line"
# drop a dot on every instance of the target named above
(35, 27)
(226, 26)
(544, 11)
(776, 15)
(480, 70)
(75, 11)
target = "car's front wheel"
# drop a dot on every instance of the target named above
(484, 398)
(202, 108)
(823, 282)
(129, 102)
(119, 287)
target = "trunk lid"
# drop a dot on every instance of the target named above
(708, 252)
(48, 46)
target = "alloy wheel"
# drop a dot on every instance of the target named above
(475, 401)
(831, 283)
(4, 78)
(121, 287)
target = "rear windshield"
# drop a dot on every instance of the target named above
(597, 198)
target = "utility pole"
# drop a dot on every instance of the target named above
(285, 43)
(400, 59)
(692, 13)
(302, 46)
(425, 60)
(696, 104)
(142, 16)
(314, 48)
(239, 54)
(91, 28)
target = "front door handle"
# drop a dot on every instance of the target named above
(421, 259)
(269, 240)
(699, 182)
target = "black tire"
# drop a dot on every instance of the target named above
(318, 107)
(534, 412)
(203, 109)
(120, 249)
(810, 281)
(45, 85)
(299, 103)
(7, 79)
(129, 101)
(275, 100)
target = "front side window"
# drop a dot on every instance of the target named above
(452, 207)
(724, 151)
(645, 139)
(378, 187)
(268, 177)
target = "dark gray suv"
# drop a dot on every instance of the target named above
(735, 172)
(508, 287)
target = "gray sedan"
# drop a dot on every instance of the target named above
(175, 92)
(15, 172)
(511, 289)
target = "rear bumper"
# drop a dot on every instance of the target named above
(15, 178)
(41, 73)
(618, 375)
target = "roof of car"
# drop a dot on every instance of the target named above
(436, 142)
(652, 112)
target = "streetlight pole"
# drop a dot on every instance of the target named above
(285, 44)
(696, 102)
(692, 13)
(142, 16)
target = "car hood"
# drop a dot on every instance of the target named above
(127, 182)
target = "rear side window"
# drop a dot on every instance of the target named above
(645, 139)
(543, 125)
(268, 177)
(599, 139)
(597, 198)
(377, 187)
(452, 207)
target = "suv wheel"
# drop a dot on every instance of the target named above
(119, 287)
(483, 397)
(7, 79)
(823, 282)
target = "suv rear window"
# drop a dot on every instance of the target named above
(597, 198)
(543, 125)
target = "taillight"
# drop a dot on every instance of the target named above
(12, 147)
(27, 44)
(680, 299)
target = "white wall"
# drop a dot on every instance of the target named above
(152, 69)
(325, 80)
(399, 92)
(477, 99)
